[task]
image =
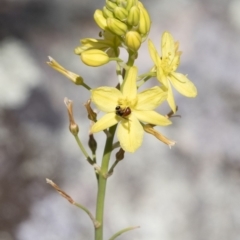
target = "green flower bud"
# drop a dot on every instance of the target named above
(100, 19)
(110, 5)
(94, 57)
(116, 26)
(133, 16)
(133, 40)
(120, 13)
(107, 13)
(122, 3)
(131, 3)
(144, 22)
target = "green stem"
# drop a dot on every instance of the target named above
(83, 150)
(103, 182)
(95, 223)
(110, 172)
(131, 58)
(122, 231)
(86, 86)
(144, 78)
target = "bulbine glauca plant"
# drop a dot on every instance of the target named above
(129, 110)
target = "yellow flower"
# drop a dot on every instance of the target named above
(166, 66)
(129, 109)
(110, 44)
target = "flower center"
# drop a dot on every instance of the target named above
(169, 64)
(123, 112)
(123, 109)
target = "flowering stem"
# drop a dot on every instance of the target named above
(102, 183)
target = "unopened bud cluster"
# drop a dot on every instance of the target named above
(125, 23)
(127, 19)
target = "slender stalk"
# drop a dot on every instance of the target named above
(95, 223)
(103, 182)
(83, 150)
(122, 231)
(85, 86)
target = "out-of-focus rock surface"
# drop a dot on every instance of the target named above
(190, 192)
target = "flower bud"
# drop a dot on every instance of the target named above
(100, 19)
(117, 27)
(120, 13)
(122, 3)
(133, 40)
(107, 13)
(131, 3)
(110, 5)
(144, 21)
(92, 143)
(94, 57)
(133, 16)
(120, 154)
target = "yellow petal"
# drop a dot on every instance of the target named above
(152, 117)
(153, 52)
(170, 98)
(129, 86)
(150, 98)
(130, 134)
(106, 98)
(161, 76)
(183, 84)
(168, 46)
(105, 122)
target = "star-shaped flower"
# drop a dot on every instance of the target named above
(166, 66)
(129, 109)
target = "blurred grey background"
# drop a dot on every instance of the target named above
(189, 192)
